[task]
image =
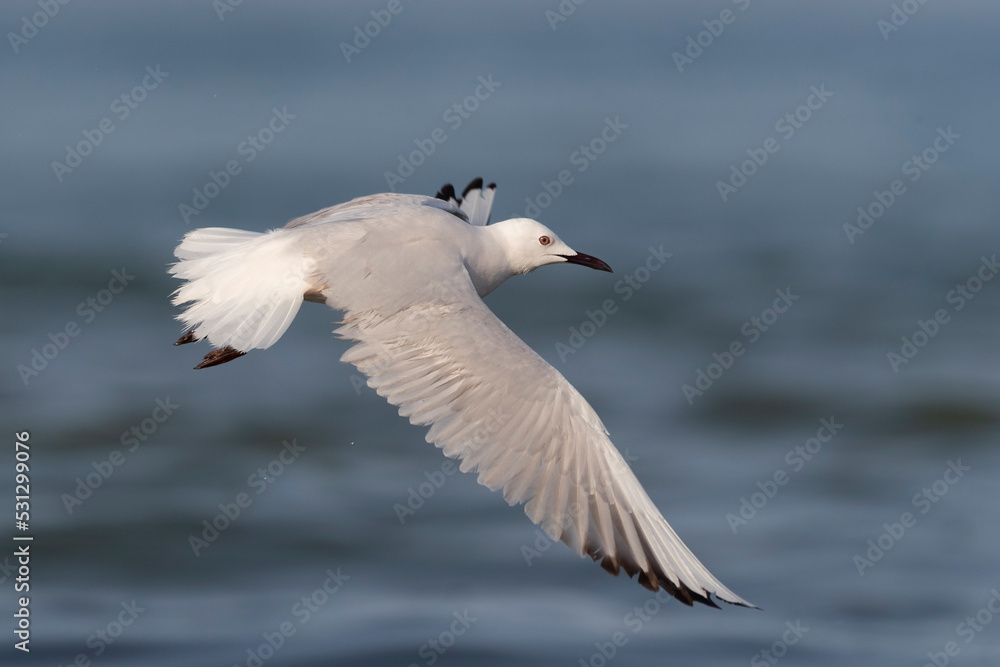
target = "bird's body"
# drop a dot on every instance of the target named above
(413, 233)
(408, 272)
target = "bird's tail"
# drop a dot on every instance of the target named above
(244, 288)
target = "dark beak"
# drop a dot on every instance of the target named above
(588, 261)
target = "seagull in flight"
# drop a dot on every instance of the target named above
(408, 272)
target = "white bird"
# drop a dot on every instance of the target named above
(408, 272)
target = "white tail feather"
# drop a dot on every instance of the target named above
(245, 287)
(211, 241)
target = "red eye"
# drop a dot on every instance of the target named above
(544, 240)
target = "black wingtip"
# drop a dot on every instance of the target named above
(189, 337)
(447, 192)
(476, 184)
(220, 356)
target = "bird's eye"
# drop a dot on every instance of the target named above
(544, 240)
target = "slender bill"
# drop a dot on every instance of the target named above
(589, 261)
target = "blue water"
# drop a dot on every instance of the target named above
(465, 579)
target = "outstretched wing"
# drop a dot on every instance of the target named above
(451, 364)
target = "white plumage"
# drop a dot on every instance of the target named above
(246, 287)
(408, 272)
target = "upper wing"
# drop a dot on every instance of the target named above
(366, 208)
(490, 400)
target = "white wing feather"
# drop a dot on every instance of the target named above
(477, 202)
(451, 364)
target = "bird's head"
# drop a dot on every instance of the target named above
(529, 244)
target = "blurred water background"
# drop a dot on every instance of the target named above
(806, 111)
